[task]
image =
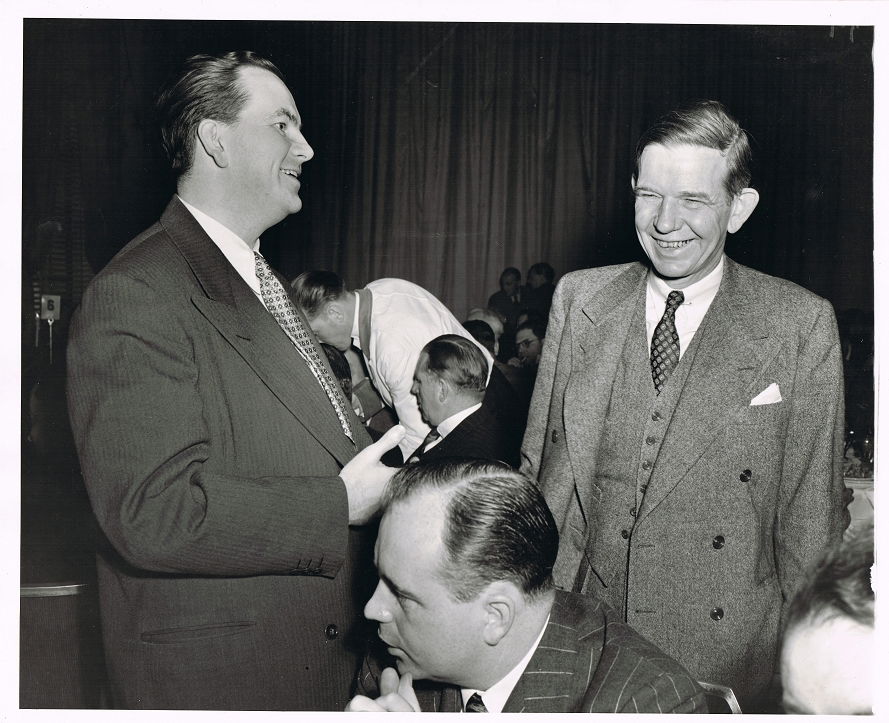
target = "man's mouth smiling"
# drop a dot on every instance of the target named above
(671, 244)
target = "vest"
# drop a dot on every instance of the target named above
(636, 422)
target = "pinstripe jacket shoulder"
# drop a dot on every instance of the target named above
(589, 661)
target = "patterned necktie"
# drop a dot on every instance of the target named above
(279, 304)
(475, 704)
(665, 343)
(430, 438)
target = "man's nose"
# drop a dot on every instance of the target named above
(377, 609)
(302, 148)
(667, 217)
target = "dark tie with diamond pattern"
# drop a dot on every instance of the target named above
(429, 439)
(475, 704)
(665, 343)
(279, 304)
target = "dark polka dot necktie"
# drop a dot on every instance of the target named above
(475, 704)
(281, 307)
(665, 343)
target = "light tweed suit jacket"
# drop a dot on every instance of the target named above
(764, 479)
(211, 456)
(588, 661)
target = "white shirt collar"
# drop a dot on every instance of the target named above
(451, 423)
(496, 696)
(356, 337)
(690, 314)
(701, 292)
(238, 252)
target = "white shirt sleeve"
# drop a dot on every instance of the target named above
(395, 369)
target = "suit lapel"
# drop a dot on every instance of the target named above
(233, 309)
(733, 347)
(600, 340)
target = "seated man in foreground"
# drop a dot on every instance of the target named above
(465, 554)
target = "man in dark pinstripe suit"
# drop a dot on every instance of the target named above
(465, 554)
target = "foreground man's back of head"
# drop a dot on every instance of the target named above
(827, 658)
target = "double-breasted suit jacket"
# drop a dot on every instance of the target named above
(740, 496)
(211, 456)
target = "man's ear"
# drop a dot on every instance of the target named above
(334, 312)
(501, 601)
(444, 389)
(742, 206)
(209, 134)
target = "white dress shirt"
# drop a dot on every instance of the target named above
(238, 251)
(690, 313)
(451, 423)
(496, 696)
(403, 318)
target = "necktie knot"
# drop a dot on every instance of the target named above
(675, 300)
(475, 704)
(427, 440)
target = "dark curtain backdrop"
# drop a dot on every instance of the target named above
(445, 152)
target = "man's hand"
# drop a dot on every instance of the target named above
(366, 477)
(396, 696)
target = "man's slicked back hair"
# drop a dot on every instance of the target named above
(497, 524)
(205, 87)
(458, 360)
(704, 123)
(311, 290)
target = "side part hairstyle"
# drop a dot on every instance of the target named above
(457, 360)
(704, 123)
(206, 86)
(497, 524)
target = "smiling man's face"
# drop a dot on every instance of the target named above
(683, 211)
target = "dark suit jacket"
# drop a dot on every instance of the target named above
(588, 661)
(741, 497)
(480, 436)
(211, 455)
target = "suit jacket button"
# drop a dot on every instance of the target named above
(555, 436)
(718, 542)
(632, 512)
(650, 440)
(646, 464)
(746, 475)
(656, 416)
(717, 614)
(625, 534)
(331, 632)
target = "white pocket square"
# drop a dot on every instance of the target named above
(770, 395)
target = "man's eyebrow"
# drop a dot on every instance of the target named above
(696, 194)
(393, 586)
(682, 194)
(287, 114)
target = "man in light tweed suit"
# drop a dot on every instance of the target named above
(465, 554)
(686, 426)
